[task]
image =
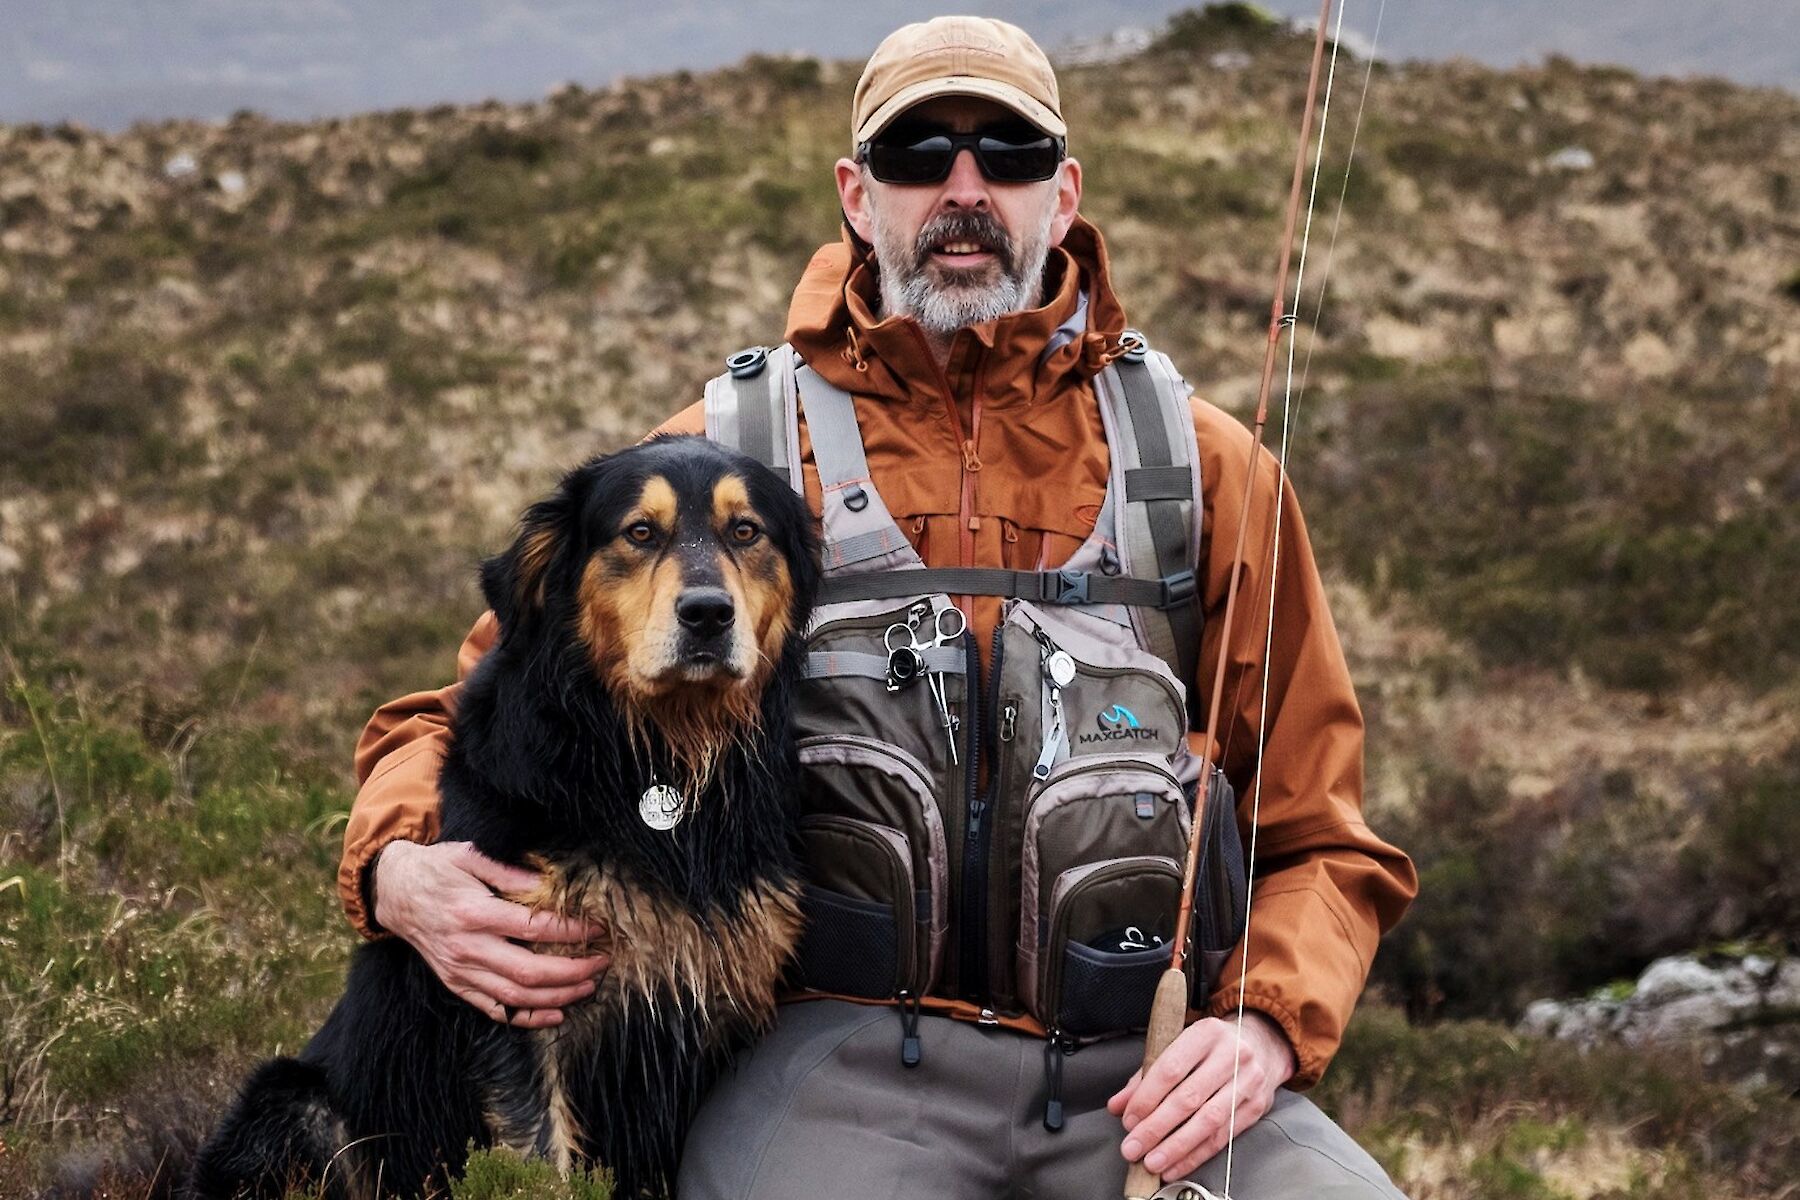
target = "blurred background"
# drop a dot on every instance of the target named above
(300, 303)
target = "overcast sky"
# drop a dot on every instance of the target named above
(108, 62)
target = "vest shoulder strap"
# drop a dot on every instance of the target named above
(1157, 489)
(751, 408)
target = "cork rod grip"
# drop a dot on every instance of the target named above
(1168, 1014)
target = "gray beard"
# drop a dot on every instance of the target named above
(941, 306)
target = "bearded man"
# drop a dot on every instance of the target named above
(966, 314)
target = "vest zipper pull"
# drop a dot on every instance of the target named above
(1008, 721)
(971, 460)
(1053, 1079)
(911, 1052)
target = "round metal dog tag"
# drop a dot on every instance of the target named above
(1061, 669)
(661, 807)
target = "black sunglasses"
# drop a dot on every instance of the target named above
(926, 156)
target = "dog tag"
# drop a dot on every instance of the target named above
(661, 807)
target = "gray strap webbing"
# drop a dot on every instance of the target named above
(753, 415)
(756, 425)
(1159, 483)
(1044, 587)
(1165, 490)
(858, 664)
(831, 422)
(862, 547)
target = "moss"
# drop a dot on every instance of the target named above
(502, 1175)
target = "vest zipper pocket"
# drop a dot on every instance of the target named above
(867, 800)
(1089, 814)
(1128, 904)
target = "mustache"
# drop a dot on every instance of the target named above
(971, 226)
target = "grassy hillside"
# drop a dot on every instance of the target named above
(269, 390)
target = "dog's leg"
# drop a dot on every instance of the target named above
(281, 1134)
(529, 1109)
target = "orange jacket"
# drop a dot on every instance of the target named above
(999, 459)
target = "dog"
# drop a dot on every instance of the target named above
(652, 613)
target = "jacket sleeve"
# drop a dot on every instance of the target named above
(1325, 887)
(398, 754)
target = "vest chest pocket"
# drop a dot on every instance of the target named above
(1100, 857)
(875, 847)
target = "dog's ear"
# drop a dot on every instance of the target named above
(514, 581)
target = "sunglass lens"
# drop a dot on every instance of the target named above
(913, 160)
(1017, 162)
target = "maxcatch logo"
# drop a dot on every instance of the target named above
(1119, 724)
(1116, 717)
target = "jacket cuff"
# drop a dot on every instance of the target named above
(1309, 1063)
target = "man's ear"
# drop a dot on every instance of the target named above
(853, 198)
(1068, 200)
(514, 581)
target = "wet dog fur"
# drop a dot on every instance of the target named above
(651, 613)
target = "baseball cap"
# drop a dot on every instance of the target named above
(956, 56)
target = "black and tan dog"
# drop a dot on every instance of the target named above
(651, 614)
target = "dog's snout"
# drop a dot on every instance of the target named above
(705, 610)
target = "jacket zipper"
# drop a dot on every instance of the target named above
(965, 441)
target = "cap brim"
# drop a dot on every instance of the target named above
(961, 85)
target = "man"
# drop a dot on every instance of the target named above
(968, 313)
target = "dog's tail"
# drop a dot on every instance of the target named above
(282, 1133)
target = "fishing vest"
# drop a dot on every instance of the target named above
(1051, 890)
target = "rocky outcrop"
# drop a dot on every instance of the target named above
(1741, 1013)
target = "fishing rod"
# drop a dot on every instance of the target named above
(1168, 1011)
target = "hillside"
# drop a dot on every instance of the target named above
(269, 391)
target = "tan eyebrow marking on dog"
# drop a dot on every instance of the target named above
(731, 499)
(657, 503)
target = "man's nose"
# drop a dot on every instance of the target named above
(966, 187)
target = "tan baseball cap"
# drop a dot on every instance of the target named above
(956, 56)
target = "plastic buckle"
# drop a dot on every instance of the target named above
(1178, 589)
(1133, 346)
(748, 364)
(1069, 587)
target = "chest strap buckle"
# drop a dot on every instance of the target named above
(1066, 587)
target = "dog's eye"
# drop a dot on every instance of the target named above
(745, 532)
(641, 532)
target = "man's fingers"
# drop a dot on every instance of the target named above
(518, 998)
(1192, 1134)
(1249, 1112)
(517, 921)
(1116, 1105)
(1199, 1042)
(1209, 1080)
(518, 1018)
(522, 968)
(497, 875)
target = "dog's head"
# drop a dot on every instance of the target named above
(678, 570)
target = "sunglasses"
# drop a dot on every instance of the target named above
(926, 155)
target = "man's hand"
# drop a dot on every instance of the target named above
(441, 899)
(1180, 1116)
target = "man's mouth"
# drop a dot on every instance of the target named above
(963, 252)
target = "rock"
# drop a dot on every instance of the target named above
(1571, 158)
(1230, 60)
(232, 183)
(1742, 1014)
(181, 166)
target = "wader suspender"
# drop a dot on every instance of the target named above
(1148, 554)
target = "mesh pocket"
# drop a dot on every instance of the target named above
(1106, 991)
(849, 947)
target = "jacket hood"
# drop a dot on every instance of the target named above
(1026, 357)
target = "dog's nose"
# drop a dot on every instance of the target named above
(705, 610)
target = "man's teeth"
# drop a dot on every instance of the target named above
(961, 248)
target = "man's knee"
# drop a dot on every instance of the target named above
(1296, 1152)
